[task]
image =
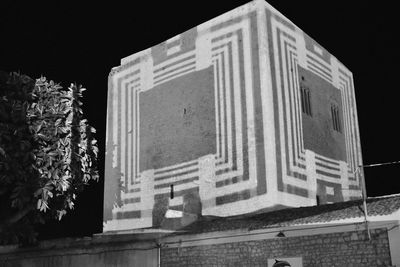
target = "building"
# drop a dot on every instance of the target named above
(242, 113)
(327, 235)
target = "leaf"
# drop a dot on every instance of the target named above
(70, 204)
(40, 166)
(39, 203)
(60, 214)
(38, 192)
(58, 121)
(2, 152)
(43, 206)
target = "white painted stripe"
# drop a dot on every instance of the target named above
(177, 188)
(345, 119)
(177, 178)
(295, 181)
(227, 89)
(221, 103)
(330, 190)
(217, 107)
(233, 40)
(230, 174)
(248, 66)
(237, 105)
(173, 39)
(174, 59)
(240, 207)
(328, 159)
(116, 107)
(130, 134)
(127, 207)
(166, 171)
(146, 71)
(318, 73)
(233, 188)
(124, 147)
(127, 224)
(203, 49)
(162, 73)
(173, 50)
(267, 103)
(318, 50)
(175, 74)
(177, 172)
(137, 140)
(176, 201)
(279, 93)
(299, 111)
(293, 82)
(231, 15)
(131, 195)
(287, 88)
(115, 122)
(123, 133)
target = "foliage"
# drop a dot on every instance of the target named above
(47, 153)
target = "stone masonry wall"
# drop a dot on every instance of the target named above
(351, 249)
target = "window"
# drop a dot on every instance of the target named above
(171, 192)
(306, 100)
(336, 118)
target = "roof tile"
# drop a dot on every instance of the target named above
(377, 206)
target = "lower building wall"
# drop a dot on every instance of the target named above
(103, 255)
(334, 249)
(349, 248)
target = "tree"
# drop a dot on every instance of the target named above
(47, 153)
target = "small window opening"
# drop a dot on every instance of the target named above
(306, 101)
(318, 200)
(171, 192)
(336, 123)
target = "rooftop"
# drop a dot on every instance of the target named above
(328, 213)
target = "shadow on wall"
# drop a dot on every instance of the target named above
(190, 210)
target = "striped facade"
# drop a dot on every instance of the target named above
(216, 115)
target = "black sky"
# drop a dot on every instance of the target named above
(80, 43)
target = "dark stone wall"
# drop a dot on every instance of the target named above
(350, 249)
(117, 251)
(318, 133)
(177, 120)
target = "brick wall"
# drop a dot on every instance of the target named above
(335, 249)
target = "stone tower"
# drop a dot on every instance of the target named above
(242, 113)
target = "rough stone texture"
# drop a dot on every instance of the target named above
(177, 121)
(318, 132)
(105, 251)
(351, 249)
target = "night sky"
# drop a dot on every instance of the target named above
(81, 43)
